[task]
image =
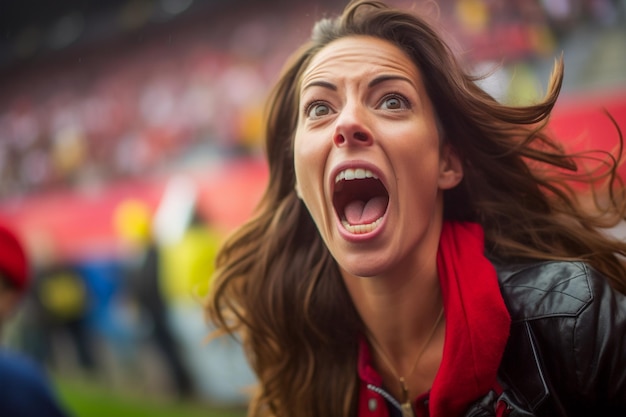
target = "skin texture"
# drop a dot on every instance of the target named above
(389, 126)
(364, 105)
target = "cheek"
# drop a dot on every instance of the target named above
(305, 167)
(416, 167)
(309, 160)
(301, 160)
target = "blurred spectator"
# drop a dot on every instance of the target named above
(187, 263)
(24, 388)
(62, 305)
(112, 318)
(133, 222)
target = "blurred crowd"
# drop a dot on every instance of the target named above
(135, 322)
(166, 97)
(142, 101)
(138, 105)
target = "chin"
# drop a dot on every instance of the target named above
(364, 266)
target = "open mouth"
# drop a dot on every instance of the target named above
(360, 200)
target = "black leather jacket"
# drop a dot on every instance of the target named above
(566, 355)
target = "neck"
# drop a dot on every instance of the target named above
(400, 312)
(401, 305)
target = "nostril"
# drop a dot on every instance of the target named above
(339, 139)
(355, 137)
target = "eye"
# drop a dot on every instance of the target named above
(317, 109)
(394, 102)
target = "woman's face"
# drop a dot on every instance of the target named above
(368, 160)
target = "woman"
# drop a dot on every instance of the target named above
(418, 250)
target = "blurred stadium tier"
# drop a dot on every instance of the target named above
(80, 223)
(101, 101)
(583, 121)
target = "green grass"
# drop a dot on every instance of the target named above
(83, 399)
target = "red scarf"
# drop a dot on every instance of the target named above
(477, 325)
(477, 321)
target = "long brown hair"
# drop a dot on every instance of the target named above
(276, 283)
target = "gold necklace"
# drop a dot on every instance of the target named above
(406, 407)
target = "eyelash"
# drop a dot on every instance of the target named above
(399, 96)
(309, 104)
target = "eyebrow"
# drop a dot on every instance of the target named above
(323, 84)
(383, 78)
(378, 80)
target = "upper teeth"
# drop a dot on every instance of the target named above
(351, 174)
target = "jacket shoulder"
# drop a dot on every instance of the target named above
(546, 289)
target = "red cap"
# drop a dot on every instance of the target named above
(13, 263)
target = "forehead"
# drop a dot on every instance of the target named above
(360, 56)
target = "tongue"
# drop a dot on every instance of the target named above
(364, 212)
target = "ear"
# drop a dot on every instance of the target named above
(298, 193)
(450, 168)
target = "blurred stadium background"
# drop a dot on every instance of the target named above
(130, 145)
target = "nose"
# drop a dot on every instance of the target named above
(351, 128)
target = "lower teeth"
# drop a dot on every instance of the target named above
(359, 229)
